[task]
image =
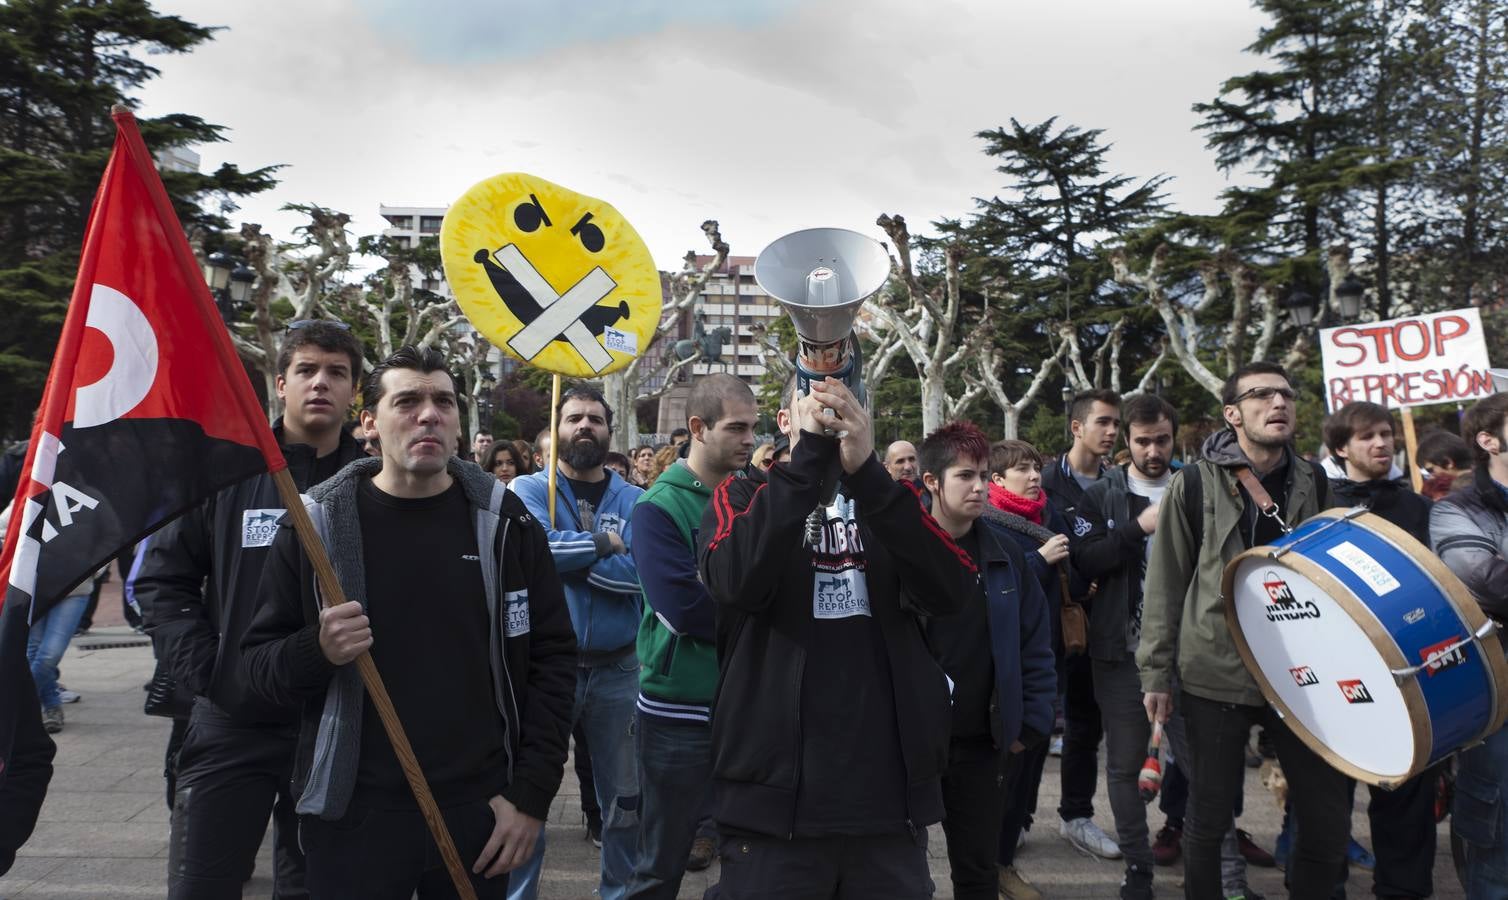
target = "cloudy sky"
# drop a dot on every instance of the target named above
(767, 115)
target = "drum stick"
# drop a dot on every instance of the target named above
(1149, 782)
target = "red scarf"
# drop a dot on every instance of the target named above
(1030, 510)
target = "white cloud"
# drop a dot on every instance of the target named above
(826, 115)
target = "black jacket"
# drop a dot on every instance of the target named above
(283, 664)
(1110, 553)
(197, 585)
(1393, 500)
(756, 567)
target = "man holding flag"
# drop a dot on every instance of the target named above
(147, 411)
(198, 590)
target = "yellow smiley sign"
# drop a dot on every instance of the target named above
(556, 279)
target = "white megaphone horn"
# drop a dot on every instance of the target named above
(821, 276)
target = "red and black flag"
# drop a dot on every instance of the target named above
(147, 410)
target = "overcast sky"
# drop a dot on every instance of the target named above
(767, 115)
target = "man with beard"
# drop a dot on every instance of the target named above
(676, 637)
(589, 539)
(900, 461)
(1095, 420)
(1470, 531)
(1249, 484)
(1361, 437)
(197, 587)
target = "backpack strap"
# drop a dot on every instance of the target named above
(1193, 503)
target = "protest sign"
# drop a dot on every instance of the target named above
(1413, 361)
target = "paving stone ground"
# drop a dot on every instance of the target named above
(104, 830)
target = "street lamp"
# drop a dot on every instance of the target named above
(1300, 305)
(242, 277)
(1348, 296)
(217, 268)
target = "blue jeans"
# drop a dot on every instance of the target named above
(45, 643)
(605, 698)
(675, 776)
(1478, 811)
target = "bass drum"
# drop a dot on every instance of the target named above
(1375, 655)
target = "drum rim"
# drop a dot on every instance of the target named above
(1467, 610)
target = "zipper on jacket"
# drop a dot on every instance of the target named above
(664, 667)
(796, 794)
(503, 648)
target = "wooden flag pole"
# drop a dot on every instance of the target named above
(554, 440)
(332, 594)
(1411, 441)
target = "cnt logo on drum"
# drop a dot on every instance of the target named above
(1444, 655)
(1282, 605)
(1303, 676)
(1354, 691)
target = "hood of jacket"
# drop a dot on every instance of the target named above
(1223, 449)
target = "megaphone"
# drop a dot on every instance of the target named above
(821, 276)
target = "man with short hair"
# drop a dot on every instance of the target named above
(1361, 436)
(1248, 468)
(197, 586)
(451, 587)
(900, 461)
(1094, 419)
(479, 444)
(1470, 533)
(590, 540)
(831, 723)
(677, 638)
(679, 437)
(998, 653)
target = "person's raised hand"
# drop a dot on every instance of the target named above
(848, 419)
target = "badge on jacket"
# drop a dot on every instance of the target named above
(259, 526)
(516, 613)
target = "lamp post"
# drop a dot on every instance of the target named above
(1300, 307)
(485, 402)
(1068, 411)
(1348, 295)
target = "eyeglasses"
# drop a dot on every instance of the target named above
(296, 324)
(1264, 394)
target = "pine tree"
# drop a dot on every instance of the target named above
(63, 64)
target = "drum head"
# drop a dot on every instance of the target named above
(1329, 677)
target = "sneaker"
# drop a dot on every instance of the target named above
(1245, 893)
(1253, 854)
(1137, 884)
(52, 719)
(1055, 746)
(1088, 837)
(1167, 846)
(1360, 856)
(1014, 886)
(594, 834)
(1280, 846)
(702, 851)
(67, 696)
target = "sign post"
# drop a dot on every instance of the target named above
(1408, 362)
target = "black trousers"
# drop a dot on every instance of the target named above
(1023, 776)
(388, 854)
(1217, 735)
(230, 777)
(1082, 731)
(882, 867)
(974, 800)
(1403, 836)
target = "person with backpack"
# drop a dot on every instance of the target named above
(1253, 486)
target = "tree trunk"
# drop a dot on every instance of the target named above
(934, 395)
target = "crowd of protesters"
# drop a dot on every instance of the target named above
(791, 656)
